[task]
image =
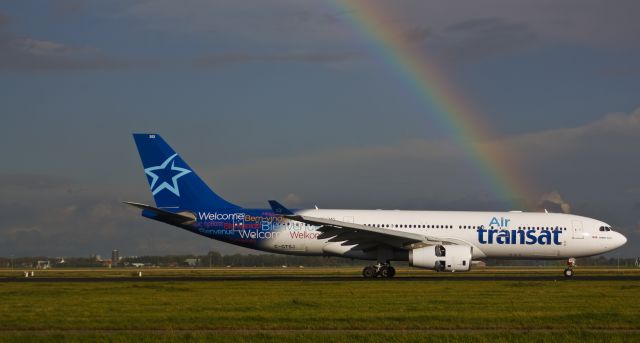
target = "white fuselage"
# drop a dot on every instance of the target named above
(514, 235)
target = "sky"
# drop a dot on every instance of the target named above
(296, 100)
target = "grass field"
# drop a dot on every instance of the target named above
(312, 310)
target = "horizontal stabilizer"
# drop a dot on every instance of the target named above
(278, 208)
(181, 218)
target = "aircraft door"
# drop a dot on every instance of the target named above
(577, 232)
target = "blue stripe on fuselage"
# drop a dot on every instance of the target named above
(246, 227)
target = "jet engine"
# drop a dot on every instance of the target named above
(450, 258)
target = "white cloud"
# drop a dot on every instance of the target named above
(553, 201)
(292, 199)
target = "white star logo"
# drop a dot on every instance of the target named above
(164, 185)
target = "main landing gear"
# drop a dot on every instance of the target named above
(568, 272)
(381, 269)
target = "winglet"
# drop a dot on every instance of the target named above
(279, 209)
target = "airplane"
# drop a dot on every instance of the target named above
(444, 241)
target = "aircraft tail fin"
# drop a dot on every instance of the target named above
(174, 185)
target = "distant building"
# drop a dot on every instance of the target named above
(43, 265)
(192, 262)
(115, 257)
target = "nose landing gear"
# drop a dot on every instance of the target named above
(568, 272)
(381, 269)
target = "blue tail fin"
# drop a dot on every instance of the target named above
(173, 183)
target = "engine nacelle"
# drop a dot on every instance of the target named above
(451, 258)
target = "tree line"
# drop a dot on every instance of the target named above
(216, 259)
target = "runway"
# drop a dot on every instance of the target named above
(528, 278)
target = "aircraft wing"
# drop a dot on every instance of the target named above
(352, 233)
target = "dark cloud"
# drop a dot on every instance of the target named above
(575, 161)
(310, 17)
(418, 35)
(312, 58)
(483, 37)
(69, 6)
(4, 21)
(421, 175)
(25, 54)
(622, 71)
(61, 224)
(27, 181)
(312, 23)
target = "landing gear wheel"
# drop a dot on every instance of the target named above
(384, 272)
(369, 272)
(571, 262)
(568, 272)
(390, 272)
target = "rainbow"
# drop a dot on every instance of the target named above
(432, 88)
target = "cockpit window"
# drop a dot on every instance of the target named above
(602, 228)
(605, 228)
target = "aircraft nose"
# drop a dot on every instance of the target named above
(623, 239)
